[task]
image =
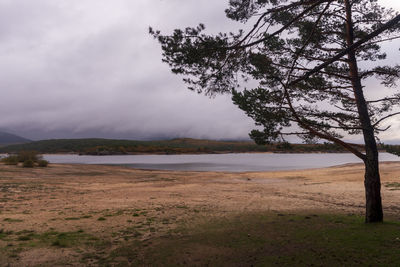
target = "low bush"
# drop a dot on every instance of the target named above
(29, 159)
(28, 163)
(43, 163)
(10, 160)
(28, 155)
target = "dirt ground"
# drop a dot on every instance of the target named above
(105, 201)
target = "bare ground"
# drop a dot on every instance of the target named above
(112, 204)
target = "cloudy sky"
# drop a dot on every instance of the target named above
(88, 68)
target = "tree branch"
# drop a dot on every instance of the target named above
(236, 46)
(357, 44)
(384, 118)
(315, 132)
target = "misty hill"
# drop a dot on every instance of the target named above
(7, 139)
(96, 146)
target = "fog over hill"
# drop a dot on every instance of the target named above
(8, 139)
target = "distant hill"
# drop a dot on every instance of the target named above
(8, 139)
(96, 146)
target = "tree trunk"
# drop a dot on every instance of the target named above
(372, 185)
(372, 180)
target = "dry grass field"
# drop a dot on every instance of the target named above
(89, 215)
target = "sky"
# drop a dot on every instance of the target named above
(89, 68)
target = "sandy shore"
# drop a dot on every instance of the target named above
(105, 200)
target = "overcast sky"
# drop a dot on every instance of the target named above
(88, 68)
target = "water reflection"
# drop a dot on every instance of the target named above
(220, 162)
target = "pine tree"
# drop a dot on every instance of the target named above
(311, 60)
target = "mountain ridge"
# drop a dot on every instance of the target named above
(11, 139)
(99, 146)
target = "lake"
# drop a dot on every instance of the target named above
(242, 162)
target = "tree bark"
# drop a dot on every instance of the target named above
(372, 180)
(372, 185)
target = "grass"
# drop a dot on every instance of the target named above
(252, 239)
(393, 186)
(271, 240)
(4, 234)
(26, 240)
(117, 213)
(11, 220)
(57, 239)
(66, 239)
(72, 218)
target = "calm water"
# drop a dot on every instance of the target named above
(220, 162)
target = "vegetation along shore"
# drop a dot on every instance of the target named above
(96, 146)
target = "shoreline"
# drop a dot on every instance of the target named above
(200, 153)
(230, 163)
(209, 153)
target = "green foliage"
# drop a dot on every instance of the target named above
(120, 147)
(25, 155)
(64, 239)
(284, 42)
(174, 146)
(393, 186)
(28, 163)
(12, 220)
(392, 149)
(10, 160)
(42, 163)
(28, 159)
(285, 146)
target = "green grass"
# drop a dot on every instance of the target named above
(66, 239)
(117, 213)
(27, 239)
(11, 220)
(60, 239)
(393, 186)
(72, 218)
(253, 239)
(272, 240)
(4, 234)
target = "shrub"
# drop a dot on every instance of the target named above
(28, 163)
(10, 160)
(43, 163)
(285, 146)
(28, 158)
(28, 155)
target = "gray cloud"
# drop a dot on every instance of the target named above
(89, 68)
